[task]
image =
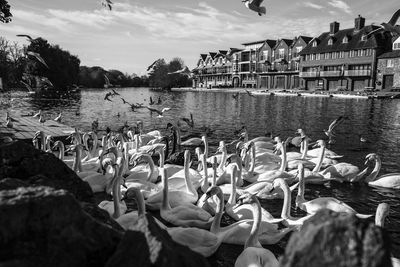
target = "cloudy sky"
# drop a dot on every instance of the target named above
(136, 32)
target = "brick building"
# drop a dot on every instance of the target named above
(388, 70)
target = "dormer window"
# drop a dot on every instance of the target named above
(314, 44)
(363, 37)
(330, 41)
(345, 40)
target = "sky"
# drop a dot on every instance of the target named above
(136, 32)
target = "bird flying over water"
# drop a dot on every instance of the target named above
(390, 26)
(107, 3)
(184, 71)
(107, 96)
(332, 126)
(114, 92)
(38, 57)
(159, 112)
(153, 64)
(249, 93)
(236, 95)
(255, 5)
(30, 39)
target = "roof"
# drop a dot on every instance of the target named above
(212, 54)
(375, 40)
(256, 42)
(222, 52)
(288, 42)
(203, 56)
(392, 54)
(306, 39)
(271, 43)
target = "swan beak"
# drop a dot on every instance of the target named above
(314, 146)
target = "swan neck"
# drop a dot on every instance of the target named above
(253, 160)
(214, 180)
(223, 159)
(286, 200)
(205, 141)
(162, 157)
(232, 197)
(61, 151)
(375, 171)
(253, 238)
(284, 158)
(140, 202)
(116, 193)
(304, 148)
(320, 160)
(204, 186)
(151, 166)
(300, 191)
(165, 203)
(215, 226)
(95, 141)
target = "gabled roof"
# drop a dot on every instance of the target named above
(392, 54)
(212, 54)
(306, 39)
(222, 52)
(203, 56)
(375, 40)
(288, 42)
(271, 43)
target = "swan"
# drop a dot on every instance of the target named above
(253, 254)
(238, 232)
(288, 220)
(90, 156)
(390, 180)
(176, 197)
(345, 172)
(185, 214)
(264, 161)
(211, 205)
(312, 206)
(244, 211)
(116, 207)
(128, 219)
(294, 161)
(141, 173)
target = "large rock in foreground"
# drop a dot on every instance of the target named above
(23, 161)
(333, 239)
(40, 226)
(149, 245)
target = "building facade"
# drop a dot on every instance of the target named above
(343, 59)
(388, 70)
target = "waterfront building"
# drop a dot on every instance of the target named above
(343, 59)
(214, 69)
(388, 70)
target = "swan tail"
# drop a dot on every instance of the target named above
(363, 216)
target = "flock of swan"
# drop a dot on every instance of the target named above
(192, 200)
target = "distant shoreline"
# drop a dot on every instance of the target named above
(281, 92)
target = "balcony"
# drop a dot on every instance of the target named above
(335, 73)
(352, 73)
(309, 74)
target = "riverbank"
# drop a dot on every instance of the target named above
(306, 93)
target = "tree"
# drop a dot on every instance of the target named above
(5, 14)
(159, 76)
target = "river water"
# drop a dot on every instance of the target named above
(376, 120)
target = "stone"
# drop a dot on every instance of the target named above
(337, 239)
(149, 245)
(22, 161)
(10, 183)
(47, 227)
(101, 215)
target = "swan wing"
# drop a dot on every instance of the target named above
(391, 180)
(394, 18)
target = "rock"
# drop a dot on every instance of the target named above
(47, 227)
(23, 161)
(101, 215)
(10, 183)
(336, 239)
(149, 245)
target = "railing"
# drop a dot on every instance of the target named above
(357, 72)
(334, 73)
(308, 74)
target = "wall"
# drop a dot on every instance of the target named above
(383, 70)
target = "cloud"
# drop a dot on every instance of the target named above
(312, 5)
(340, 5)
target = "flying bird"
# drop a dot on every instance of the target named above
(159, 101)
(236, 95)
(38, 57)
(114, 92)
(107, 3)
(249, 93)
(160, 113)
(124, 101)
(151, 102)
(332, 126)
(58, 118)
(30, 39)
(107, 96)
(153, 64)
(184, 71)
(390, 26)
(255, 5)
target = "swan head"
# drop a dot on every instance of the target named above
(370, 157)
(58, 144)
(279, 182)
(246, 198)
(212, 191)
(319, 143)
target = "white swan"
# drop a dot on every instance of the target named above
(141, 172)
(185, 214)
(128, 219)
(312, 206)
(253, 254)
(209, 205)
(238, 232)
(390, 180)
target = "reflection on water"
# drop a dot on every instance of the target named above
(376, 120)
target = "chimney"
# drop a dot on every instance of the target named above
(334, 27)
(359, 23)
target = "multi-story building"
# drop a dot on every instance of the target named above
(388, 70)
(214, 70)
(343, 59)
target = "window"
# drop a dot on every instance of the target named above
(265, 53)
(330, 42)
(296, 66)
(363, 37)
(345, 40)
(314, 44)
(298, 49)
(389, 63)
(281, 53)
(341, 54)
(318, 57)
(396, 46)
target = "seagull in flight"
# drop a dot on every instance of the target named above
(38, 57)
(236, 95)
(107, 96)
(255, 5)
(332, 126)
(58, 118)
(249, 93)
(153, 64)
(184, 71)
(160, 113)
(107, 3)
(390, 26)
(114, 92)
